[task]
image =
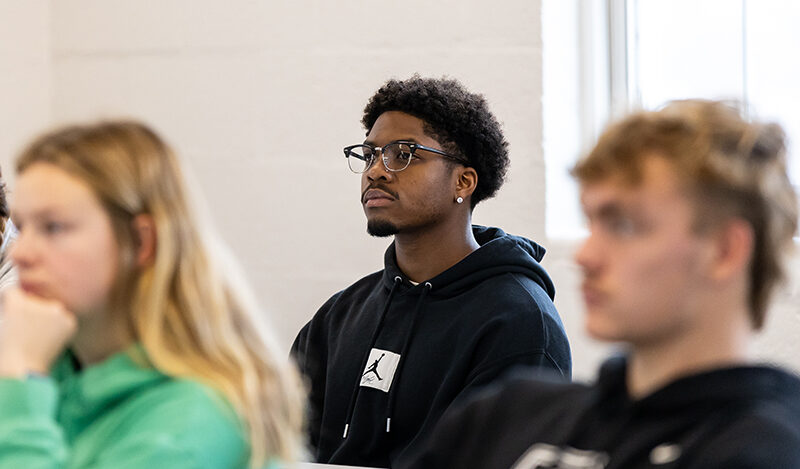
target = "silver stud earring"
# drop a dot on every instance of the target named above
(460, 200)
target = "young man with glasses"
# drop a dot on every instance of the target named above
(690, 214)
(455, 306)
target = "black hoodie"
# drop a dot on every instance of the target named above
(729, 418)
(385, 358)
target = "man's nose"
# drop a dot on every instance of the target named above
(588, 254)
(377, 168)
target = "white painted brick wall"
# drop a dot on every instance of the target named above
(25, 91)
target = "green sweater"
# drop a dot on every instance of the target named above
(120, 414)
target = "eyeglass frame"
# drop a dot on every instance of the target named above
(413, 146)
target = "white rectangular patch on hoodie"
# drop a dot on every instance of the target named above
(380, 369)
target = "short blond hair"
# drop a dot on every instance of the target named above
(730, 166)
(194, 319)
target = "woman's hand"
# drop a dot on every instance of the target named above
(33, 333)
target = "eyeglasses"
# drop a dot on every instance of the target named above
(396, 156)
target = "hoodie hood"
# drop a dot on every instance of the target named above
(499, 253)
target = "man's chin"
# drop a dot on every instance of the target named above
(600, 327)
(381, 228)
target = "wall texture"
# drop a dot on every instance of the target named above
(25, 75)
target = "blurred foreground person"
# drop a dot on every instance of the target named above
(128, 344)
(690, 213)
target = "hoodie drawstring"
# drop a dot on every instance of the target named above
(390, 405)
(354, 396)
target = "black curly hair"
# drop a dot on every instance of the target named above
(459, 120)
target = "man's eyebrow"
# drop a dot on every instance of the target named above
(616, 209)
(605, 210)
(610, 209)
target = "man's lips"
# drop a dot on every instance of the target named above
(591, 295)
(377, 198)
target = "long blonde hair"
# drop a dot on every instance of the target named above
(194, 317)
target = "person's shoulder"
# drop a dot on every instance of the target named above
(532, 390)
(194, 416)
(515, 291)
(509, 321)
(762, 438)
(539, 385)
(775, 416)
(500, 420)
(191, 402)
(761, 432)
(518, 303)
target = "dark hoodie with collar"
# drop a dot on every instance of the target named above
(385, 358)
(745, 417)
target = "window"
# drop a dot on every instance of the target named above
(741, 49)
(641, 53)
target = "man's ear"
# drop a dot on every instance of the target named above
(144, 229)
(735, 242)
(466, 182)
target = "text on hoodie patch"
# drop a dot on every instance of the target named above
(380, 369)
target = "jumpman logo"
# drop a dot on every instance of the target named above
(374, 368)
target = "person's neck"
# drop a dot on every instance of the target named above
(99, 337)
(424, 254)
(692, 351)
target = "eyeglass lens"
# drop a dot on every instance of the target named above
(396, 157)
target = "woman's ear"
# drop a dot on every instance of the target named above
(144, 229)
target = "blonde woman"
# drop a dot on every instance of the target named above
(127, 344)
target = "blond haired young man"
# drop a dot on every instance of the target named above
(690, 211)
